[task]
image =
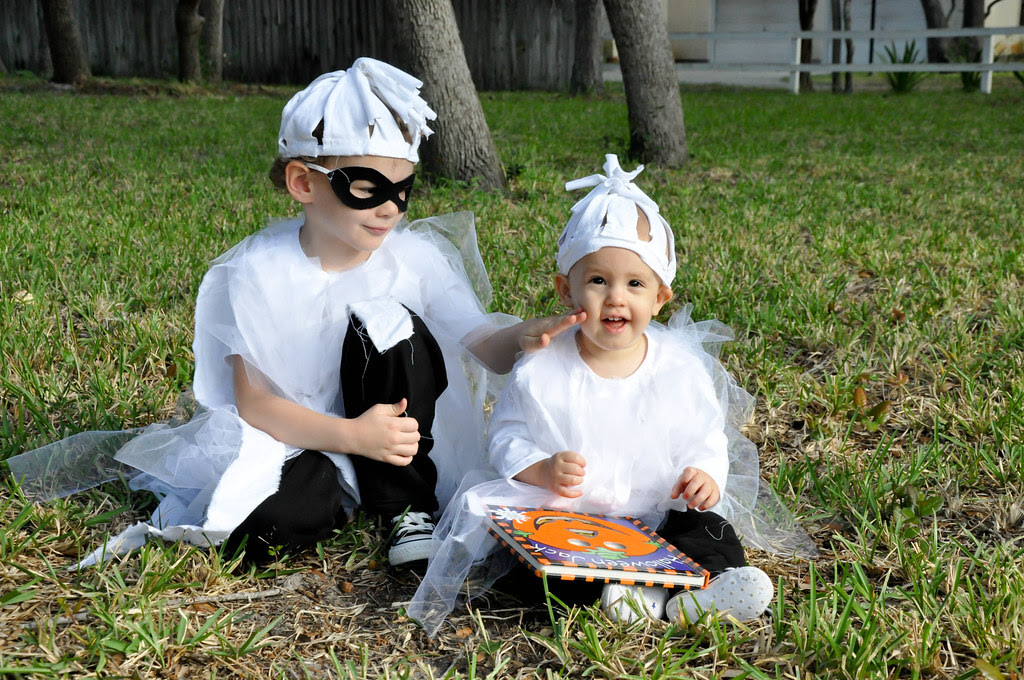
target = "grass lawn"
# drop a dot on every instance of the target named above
(866, 249)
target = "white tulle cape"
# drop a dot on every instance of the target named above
(265, 301)
(679, 408)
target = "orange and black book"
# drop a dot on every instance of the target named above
(575, 545)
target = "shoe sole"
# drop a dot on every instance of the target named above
(417, 550)
(743, 594)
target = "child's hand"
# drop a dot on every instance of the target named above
(565, 471)
(537, 333)
(697, 488)
(383, 433)
(560, 473)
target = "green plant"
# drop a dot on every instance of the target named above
(965, 52)
(903, 81)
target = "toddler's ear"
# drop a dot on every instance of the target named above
(296, 179)
(664, 295)
(562, 288)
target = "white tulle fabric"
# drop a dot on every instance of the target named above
(268, 303)
(680, 408)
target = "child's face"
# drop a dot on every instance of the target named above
(348, 235)
(620, 295)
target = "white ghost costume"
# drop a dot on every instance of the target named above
(680, 408)
(267, 302)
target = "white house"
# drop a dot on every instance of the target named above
(745, 16)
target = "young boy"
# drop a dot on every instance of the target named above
(329, 348)
(621, 416)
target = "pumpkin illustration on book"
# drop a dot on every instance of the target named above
(590, 546)
(584, 534)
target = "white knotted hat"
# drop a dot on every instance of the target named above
(352, 113)
(606, 217)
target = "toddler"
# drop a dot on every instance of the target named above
(621, 416)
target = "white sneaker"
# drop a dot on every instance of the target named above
(743, 593)
(411, 536)
(628, 603)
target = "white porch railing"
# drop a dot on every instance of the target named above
(986, 66)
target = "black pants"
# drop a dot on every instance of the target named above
(413, 369)
(307, 506)
(705, 537)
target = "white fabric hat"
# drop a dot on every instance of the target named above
(606, 217)
(355, 112)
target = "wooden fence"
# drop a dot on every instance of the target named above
(509, 44)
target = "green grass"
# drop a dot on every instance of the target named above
(866, 249)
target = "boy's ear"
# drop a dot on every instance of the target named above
(664, 295)
(562, 288)
(296, 179)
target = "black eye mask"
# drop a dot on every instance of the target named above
(382, 191)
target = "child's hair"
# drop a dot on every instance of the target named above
(608, 217)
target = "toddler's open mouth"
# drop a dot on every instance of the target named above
(614, 323)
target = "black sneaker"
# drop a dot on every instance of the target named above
(411, 535)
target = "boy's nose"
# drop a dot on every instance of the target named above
(388, 208)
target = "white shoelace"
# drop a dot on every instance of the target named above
(413, 522)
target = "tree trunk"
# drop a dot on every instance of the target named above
(837, 44)
(189, 26)
(935, 17)
(657, 133)
(848, 23)
(586, 66)
(974, 17)
(461, 147)
(65, 40)
(807, 8)
(213, 40)
(3, 67)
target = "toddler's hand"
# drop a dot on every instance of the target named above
(537, 333)
(697, 488)
(383, 433)
(564, 472)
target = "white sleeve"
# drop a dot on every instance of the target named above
(701, 440)
(511, 439)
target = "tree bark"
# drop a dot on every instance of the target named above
(935, 17)
(3, 67)
(657, 133)
(213, 40)
(974, 17)
(848, 22)
(837, 44)
(189, 26)
(67, 54)
(586, 66)
(807, 9)
(461, 147)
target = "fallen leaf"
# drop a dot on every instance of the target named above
(988, 671)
